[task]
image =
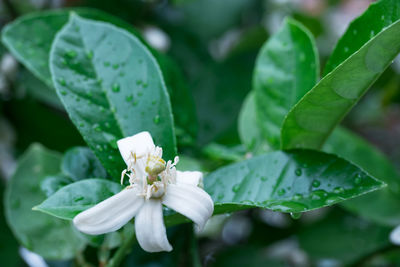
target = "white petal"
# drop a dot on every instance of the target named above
(150, 228)
(395, 236)
(190, 201)
(139, 143)
(194, 178)
(110, 214)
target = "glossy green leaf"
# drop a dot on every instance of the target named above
(50, 237)
(380, 206)
(80, 163)
(77, 197)
(313, 118)
(375, 19)
(294, 181)
(346, 238)
(34, 52)
(53, 183)
(287, 67)
(249, 131)
(111, 87)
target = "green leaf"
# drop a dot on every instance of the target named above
(287, 67)
(294, 181)
(34, 52)
(50, 237)
(53, 183)
(80, 163)
(374, 20)
(313, 118)
(111, 87)
(249, 131)
(381, 206)
(345, 238)
(74, 198)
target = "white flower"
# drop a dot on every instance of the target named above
(395, 236)
(153, 182)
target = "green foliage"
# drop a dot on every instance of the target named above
(287, 67)
(312, 119)
(376, 19)
(380, 206)
(294, 181)
(346, 238)
(50, 237)
(80, 163)
(94, 74)
(74, 198)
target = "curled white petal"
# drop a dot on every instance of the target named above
(194, 178)
(395, 236)
(150, 228)
(190, 201)
(140, 144)
(110, 214)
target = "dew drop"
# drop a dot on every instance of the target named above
(62, 81)
(346, 49)
(71, 54)
(338, 190)
(63, 92)
(358, 178)
(298, 172)
(89, 54)
(110, 157)
(236, 188)
(153, 102)
(81, 124)
(383, 17)
(129, 98)
(156, 119)
(295, 215)
(122, 74)
(138, 82)
(355, 32)
(107, 124)
(97, 127)
(297, 196)
(77, 199)
(372, 34)
(99, 148)
(145, 85)
(221, 196)
(115, 66)
(316, 183)
(135, 103)
(106, 64)
(263, 178)
(115, 88)
(281, 192)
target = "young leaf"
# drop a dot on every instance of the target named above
(375, 19)
(312, 119)
(111, 87)
(80, 163)
(77, 197)
(381, 206)
(34, 53)
(249, 131)
(50, 237)
(294, 181)
(287, 67)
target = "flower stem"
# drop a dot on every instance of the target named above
(122, 251)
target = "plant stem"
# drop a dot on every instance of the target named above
(122, 251)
